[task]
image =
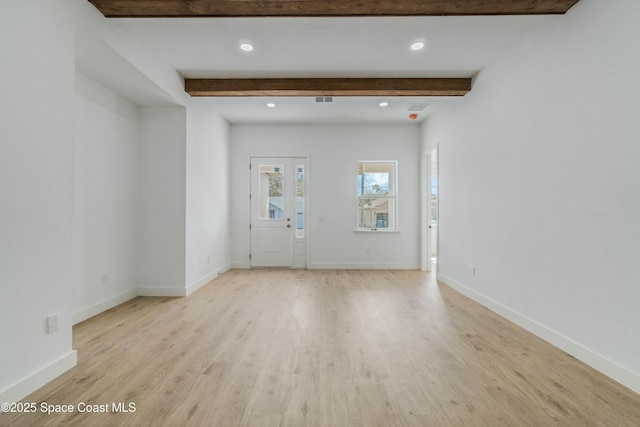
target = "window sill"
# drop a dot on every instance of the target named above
(379, 230)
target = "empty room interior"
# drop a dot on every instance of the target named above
(331, 213)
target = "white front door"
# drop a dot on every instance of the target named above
(273, 211)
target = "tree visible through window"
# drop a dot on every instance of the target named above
(377, 207)
(271, 195)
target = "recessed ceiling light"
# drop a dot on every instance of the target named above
(271, 105)
(247, 47)
(384, 104)
(417, 46)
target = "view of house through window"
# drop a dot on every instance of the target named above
(377, 207)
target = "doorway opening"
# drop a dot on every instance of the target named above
(430, 211)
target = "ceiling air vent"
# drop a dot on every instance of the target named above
(417, 107)
(324, 99)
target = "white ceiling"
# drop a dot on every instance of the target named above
(324, 47)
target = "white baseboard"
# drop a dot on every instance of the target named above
(206, 279)
(162, 292)
(38, 379)
(600, 363)
(86, 313)
(331, 266)
(33, 382)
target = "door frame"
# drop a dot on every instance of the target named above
(307, 204)
(425, 222)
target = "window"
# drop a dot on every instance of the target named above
(434, 199)
(271, 196)
(300, 201)
(382, 220)
(377, 188)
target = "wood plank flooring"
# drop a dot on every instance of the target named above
(324, 348)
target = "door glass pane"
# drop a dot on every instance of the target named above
(300, 202)
(271, 193)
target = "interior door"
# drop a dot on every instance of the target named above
(272, 211)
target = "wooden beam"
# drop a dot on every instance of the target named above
(329, 87)
(273, 8)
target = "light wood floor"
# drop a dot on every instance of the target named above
(325, 348)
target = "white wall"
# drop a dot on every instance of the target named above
(183, 163)
(334, 152)
(119, 192)
(208, 195)
(132, 50)
(540, 186)
(106, 191)
(36, 165)
(106, 194)
(161, 246)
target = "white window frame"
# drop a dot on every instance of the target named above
(393, 195)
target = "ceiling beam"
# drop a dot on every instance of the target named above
(329, 87)
(274, 8)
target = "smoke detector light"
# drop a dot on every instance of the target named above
(247, 47)
(419, 45)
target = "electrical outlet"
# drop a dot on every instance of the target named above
(209, 260)
(52, 323)
(472, 270)
(105, 278)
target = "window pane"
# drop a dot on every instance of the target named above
(373, 183)
(434, 199)
(376, 213)
(376, 178)
(271, 192)
(300, 202)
